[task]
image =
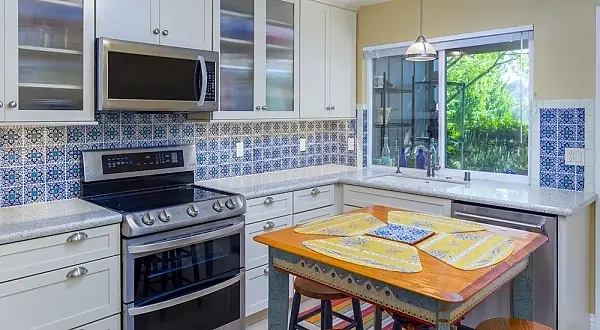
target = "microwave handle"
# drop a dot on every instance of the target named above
(203, 82)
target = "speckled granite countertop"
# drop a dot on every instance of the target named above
(494, 193)
(25, 222)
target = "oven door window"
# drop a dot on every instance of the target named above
(213, 311)
(178, 272)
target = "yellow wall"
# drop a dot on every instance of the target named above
(559, 25)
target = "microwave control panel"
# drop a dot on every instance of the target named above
(211, 77)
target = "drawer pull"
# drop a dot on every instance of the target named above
(77, 272)
(269, 225)
(315, 191)
(266, 271)
(268, 201)
(77, 237)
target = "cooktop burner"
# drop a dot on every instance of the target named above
(157, 199)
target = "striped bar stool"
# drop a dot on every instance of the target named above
(303, 287)
(510, 324)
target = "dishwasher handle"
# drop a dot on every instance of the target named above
(540, 228)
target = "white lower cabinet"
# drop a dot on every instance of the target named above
(257, 289)
(64, 298)
(363, 197)
(268, 207)
(111, 323)
(257, 254)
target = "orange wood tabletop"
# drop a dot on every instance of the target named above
(437, 280)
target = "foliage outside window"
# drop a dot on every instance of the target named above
(486, 100)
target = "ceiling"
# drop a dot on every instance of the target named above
(359, 3)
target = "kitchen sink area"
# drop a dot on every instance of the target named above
(435, 183)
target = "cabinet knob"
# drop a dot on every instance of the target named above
(269, 225)
(328, 108)
(268, 201)
(315, 191)
(266, 271)
(77, 237)
(1, 104)
(264, 108)
(258, 108)
(333, 107)
(156, 31)
(165, 32)
(77, 272)
(12, 104)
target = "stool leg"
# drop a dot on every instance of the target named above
(295, 311)
(397, 322)
(326, 315)
(357, 314)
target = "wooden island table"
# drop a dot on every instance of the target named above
(439, 295)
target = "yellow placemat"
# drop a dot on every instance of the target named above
(468, 251)
(352, 224)
(436, 223)
(370, 252)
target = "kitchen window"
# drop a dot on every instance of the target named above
(470, 107)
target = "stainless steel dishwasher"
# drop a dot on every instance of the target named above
(545, 259)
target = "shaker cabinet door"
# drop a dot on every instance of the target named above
(314, 49)
(342, 62)
(131, 20)
(186, 23)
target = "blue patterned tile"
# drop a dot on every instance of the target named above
(34, 155)
(188, 131)
(12, 156)
(212, 172)
(579, 184)
(326, 159)
(562, 145)
(202, 158)
(200, 174)
(11, 137)
(12, 196)
(214, 130)
(74, 152)
(580, 133)
(257, 167)
(342, 160)
(294, 163)
(268, 166)
(403, 234)
(548, 132)
(11, 176)
(212, 157)
(565, 181)
(247, 168)
(143, 118)
(236, 169)
(127, 118)
(267, 153)
(55, 191)
(35, 193)
(128, 132)
(159, 132)
(247, 155)
(579, 170)
(257, 154)
(548, 180)
(548, 116)
(285, 163)
(224, 171)
(55, 172)
(34, 174)
(112, 118)
(580, 116)
(334, 159)
(302, 162)
(318, 160)
(112, 133)
(73, 188)
(75, 134)
(160, 119)
(200, 130)
(549, 148)
(285, 127)
(55, 154)
(566, 132)
(567, 116)
(227, 156)
(294, 151)
(73, 171)
(303, 127)
(562, 168)
(93, 134)
(143, 132)
(56, 135)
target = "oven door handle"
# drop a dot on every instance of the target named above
(183, 299)
(179, 242)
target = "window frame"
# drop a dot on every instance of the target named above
(448, 42)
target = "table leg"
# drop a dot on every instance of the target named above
(377, 322)
(522, 293)
(278, 296)
(443, 316)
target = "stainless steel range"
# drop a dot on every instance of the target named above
(183, 245)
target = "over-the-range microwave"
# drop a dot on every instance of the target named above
(144, 77)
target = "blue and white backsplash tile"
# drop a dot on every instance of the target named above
(39, 163)
(561, 128)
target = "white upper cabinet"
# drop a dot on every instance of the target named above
(327, 61)
(259, 42)
(48, 59)
(179, 23)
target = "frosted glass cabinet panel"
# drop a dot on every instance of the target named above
(48, 60)
(259, 59)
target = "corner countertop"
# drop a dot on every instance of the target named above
(493, 193)
(19, 223)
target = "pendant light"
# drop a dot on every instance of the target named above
(420, 50)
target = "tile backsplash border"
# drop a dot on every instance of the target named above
(43, 163)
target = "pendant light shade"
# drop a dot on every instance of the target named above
(420, 50)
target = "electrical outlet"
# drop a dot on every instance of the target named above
(239, 149)
(575, 156)
(303, 144)
(350, 144)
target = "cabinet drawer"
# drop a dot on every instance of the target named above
(258, 254)
(313, 198)
(111, 323)
(362, 197)
(48, 253)
(268, 207)
(257, 289)
(52, 301)
(307, 216)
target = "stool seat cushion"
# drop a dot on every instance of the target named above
(510, 324)
(315, 290)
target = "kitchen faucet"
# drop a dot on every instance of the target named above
(431, 168)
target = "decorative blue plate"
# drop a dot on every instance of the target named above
(400, 233)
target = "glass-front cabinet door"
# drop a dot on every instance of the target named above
(49, 47)
(259, 59)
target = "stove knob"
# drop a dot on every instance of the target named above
(192, 211)
(164, 216)
(218, 206)
(230, 204)
(147, 219)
